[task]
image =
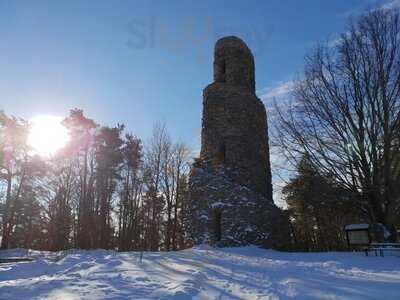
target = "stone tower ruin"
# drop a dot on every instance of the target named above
(230, 184)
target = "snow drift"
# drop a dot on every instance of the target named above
(200, 273)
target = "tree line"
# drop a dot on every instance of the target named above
(104, 189)
(342, 133)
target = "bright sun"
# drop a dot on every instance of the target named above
(47, 134)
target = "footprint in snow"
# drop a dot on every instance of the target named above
(142, 279)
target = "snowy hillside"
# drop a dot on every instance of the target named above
(201, 273)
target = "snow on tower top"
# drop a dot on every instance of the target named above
(234, 63)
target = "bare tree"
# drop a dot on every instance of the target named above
(175, 166)
(346, 113)
(155, 156)
(166, 165)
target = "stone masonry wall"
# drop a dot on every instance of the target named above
(230, 184)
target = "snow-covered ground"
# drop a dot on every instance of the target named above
(200, 273)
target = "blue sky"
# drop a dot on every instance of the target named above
(138, 62)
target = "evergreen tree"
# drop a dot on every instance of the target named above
(319, 209)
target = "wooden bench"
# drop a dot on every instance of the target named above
(381, 248)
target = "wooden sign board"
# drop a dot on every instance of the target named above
(358, 234)
(359, 237)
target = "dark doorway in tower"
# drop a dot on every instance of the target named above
(217, 225)
(221, 153)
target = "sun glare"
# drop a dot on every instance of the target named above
(47, 134)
